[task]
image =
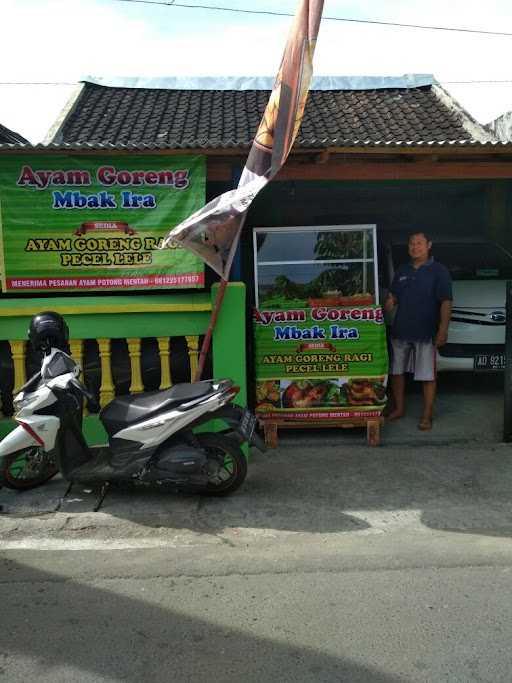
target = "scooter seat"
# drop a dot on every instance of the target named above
(126, 410)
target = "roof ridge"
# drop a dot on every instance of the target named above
(477, 130)
(247, 82)
(55, 133)
(501, 127)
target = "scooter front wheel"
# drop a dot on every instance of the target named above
(226, 466)
(27, 469)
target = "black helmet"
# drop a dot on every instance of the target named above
(47, 330)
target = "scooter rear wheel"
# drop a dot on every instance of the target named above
(27, 469)
(227, 466)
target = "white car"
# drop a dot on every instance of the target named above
(479, 270)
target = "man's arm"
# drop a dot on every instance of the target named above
(390, 303)
(392, 298)
(445, 313)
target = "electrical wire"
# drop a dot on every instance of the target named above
(272, 13)
(477, 82)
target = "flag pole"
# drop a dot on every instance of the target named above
(205, 346)
(207, 341)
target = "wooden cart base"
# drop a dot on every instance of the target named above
(271, 426)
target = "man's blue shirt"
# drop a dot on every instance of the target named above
(419, 292)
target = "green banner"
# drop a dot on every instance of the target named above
(320, 363)
(75, 223)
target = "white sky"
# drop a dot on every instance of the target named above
(66, 40)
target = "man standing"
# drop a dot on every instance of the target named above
(422, 292)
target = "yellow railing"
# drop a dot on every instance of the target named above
(107, 388)
(174, 322)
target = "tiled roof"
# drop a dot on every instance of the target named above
(355, 144)
(147, 118)
(10, 137)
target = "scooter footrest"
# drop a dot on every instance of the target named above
(97, 470)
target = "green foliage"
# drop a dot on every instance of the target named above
(339, 245)
(346, 281)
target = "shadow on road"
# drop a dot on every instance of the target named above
(322, 491)
(56, 630)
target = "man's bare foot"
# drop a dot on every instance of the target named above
(425, 424)
(395, 415)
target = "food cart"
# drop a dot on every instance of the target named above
(320, 340)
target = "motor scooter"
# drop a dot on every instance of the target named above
(151, 438)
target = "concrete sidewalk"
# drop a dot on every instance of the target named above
(313, 492)
(316, 483)
(469, 408)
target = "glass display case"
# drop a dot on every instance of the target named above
(309, 266)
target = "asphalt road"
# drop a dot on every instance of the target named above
(384, 608)
(335, 562)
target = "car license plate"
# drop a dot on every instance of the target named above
(247, 425)
(489, 361)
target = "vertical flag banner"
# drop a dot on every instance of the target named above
(212, 233)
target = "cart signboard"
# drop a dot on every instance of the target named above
(319, 332)
(321, 362)
(78, 223)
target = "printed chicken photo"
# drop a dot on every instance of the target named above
(304, 395)
(365, 391)
(268, 395)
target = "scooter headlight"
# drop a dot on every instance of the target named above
(22, 402)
